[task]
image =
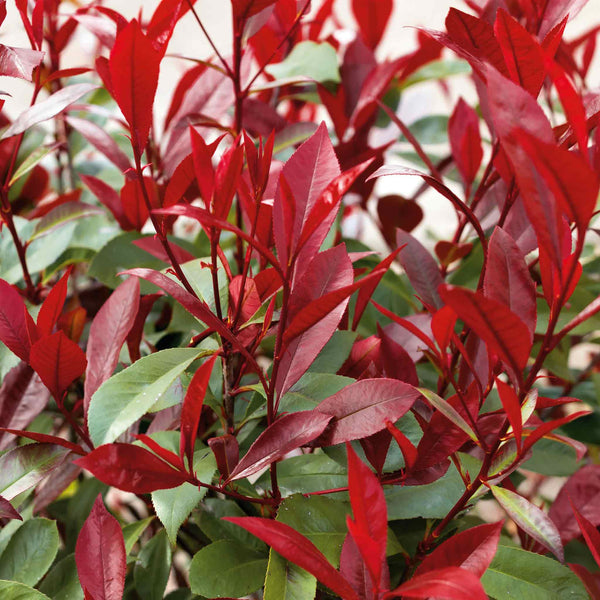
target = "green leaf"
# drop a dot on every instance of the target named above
(531, 519)
(25, 466)
(311, 389)
(334, 353)
(287, 581)
(174, 506)
(226, 568)
(320, 519)
(431, 501)
(60, 216)
(551, 457)
(11, 590)
(30, 552)
(307, 473)
(437, 70)
(152, 567)
(124, 398)
(449, 412)
(132, 532)
(309, 59)
(31, 161)
(200, 278)
(515, 573)
(62, 582)
(432, 129)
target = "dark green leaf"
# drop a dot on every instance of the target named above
(152, 567)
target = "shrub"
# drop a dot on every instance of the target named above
(268, 406)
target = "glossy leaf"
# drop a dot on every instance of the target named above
(15, 322)
(372, 19)
(19, 62)
(531, 519)
(134, 88)
(192, 409)
(100, 555)
(108, 332)
(124, 398)
(287, 433)
(453, 583)
(25, 466)
(30, 552)
(11, 590)
(131, 468)
(503, 332)
(227, 568)
(58, 361)
(297, 549)
(361, 409)
(48, 108)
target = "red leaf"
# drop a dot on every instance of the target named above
(449, 252)
(452, 583)
(109, 198)
(308, 173)
(465, 141)
(507, 278)
(133, 202)
(409, 452)
(294, 547)
(372, 19)
(192, 410)
(512, 408)
(361, 409)
(503, 332)
(203, 168)
(556, 11)
(544, 429)
(8, 511)
(131, 469)
(284, 435)
(100, 555)
(354, 570)
(523, 54)
(370, 514)
(134, 64)
(313, 316)
(108, 333)
(590, 534)
(227, 453)
(53, 305)
(568, 177)
(442, 326)
(101, 140)
(397, 212)
(46, 439)
(152, 245)
(244, 9)
(226, 179)
(472, 550)
(583, 489)
(166, 455)
(164, 19)
(15, 322)
(58, 361)
(19, 62)
(590, 580)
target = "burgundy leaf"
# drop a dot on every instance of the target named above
(58, 361)
(46, 439)
(361, 409)
(582, 489)
(19, 62)
(109, 198)
(8, 511)
(503, 332)
(451, 583)
(370, 515)
(152, 245)
(53, 305)
(100, 555)
(409, 452)
(507, 278)
(48, 108)
(134, 87)
(465, 141)
(287, 433)
(23, 396)
(108, 333)
(131, 469)
(294, 547)
(449, 252)
(309, 325)
(354, 570)
(133, 202)
(372, 19)
(16, 324)
(101, 140)
(192, 410)
(472, 550)
(227, 453)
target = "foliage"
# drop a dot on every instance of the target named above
(190, 313)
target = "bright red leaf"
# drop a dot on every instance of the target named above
(465, 141)
(372, 19)
(53, 305)
(16, 325)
